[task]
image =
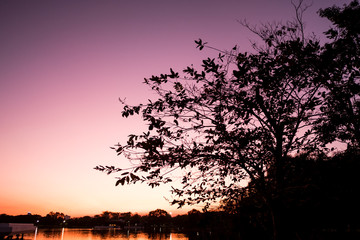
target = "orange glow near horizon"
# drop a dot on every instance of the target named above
(63, 66)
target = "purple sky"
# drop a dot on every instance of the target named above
(63, 66)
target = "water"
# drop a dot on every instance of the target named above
(89, 234)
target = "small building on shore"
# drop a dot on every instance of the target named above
(15, 229)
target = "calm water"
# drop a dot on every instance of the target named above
(89, 234)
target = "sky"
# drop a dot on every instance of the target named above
(64, 65)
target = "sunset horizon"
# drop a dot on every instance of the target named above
(63, 67)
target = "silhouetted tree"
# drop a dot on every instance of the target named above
(53, 218)
(320, 195)
(341, 119)
(159, 217)
(242, 115)
(85, 221)
(136, 219)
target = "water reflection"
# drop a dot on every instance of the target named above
(36, 230)
(62, 233)
(89, 234)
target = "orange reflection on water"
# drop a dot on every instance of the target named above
(89, 234)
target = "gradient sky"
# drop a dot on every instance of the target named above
(63, 66)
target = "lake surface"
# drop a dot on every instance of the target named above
(89, 234)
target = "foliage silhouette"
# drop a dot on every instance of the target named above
(342, 68)
(244, 116)
(159, 218)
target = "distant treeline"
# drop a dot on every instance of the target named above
(193, 220)
(321, 197)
